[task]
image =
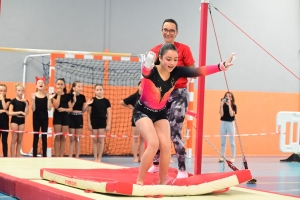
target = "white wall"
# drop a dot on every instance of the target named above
(133, 26)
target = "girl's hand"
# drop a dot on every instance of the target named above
(1, 96)
(222, 102)
(24, 100)
(90, 102)
(60, 109)
(22, 113)
(228, 102)
(90, 127)
(32, 96)
(149, 60)
(50, 96)
(74, 97)
(229, 62)
(58, 91)
(107, 129)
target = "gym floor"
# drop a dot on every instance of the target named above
(273, 176)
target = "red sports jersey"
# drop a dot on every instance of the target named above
(185, 59)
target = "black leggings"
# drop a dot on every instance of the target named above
(4, 136)
(37, 125)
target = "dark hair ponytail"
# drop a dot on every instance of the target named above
(72, 90)
(137, 93)
(73, 85)
(166, 47)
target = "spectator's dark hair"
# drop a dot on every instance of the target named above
(72, 90)
(171, 21)
(232, 97)
(63, 80)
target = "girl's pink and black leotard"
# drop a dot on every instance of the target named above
(156, 91)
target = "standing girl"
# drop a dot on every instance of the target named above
(40, 105)
(179, 97)
(228, 111)
(99, 120)
(62, 105)
(150, 112)
(76, 120)
(130, 102)
(4, 104)
(18, 109)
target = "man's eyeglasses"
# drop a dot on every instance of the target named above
(171, 31)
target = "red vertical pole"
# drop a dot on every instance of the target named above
(201, 86)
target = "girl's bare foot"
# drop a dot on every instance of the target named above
(139, 183)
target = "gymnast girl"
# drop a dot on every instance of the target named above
(150, 113)
(4, 105)
(40, 104)
(18, 109)
(76, 119)
(130, 102)
(62, 105)
(99, 120)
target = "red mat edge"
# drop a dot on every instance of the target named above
(125, 188)
(8, 186)
(25, 189)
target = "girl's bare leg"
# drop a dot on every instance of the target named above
(65, 129)
(57, 129)
(163, 132)
(134, 145)
(13, 139)
(77, 141)
(72, 141)
(101, 143)
(19, 140)
(95, 144)
(146, 129)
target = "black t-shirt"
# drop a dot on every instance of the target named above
(99, 108)
(226, 115)
(64, 101)
(4, 116)
(18, 106)
(132, 99)
(41, 108)
(80, 100)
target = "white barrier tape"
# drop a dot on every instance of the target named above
(236, 135)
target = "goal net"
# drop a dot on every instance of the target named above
(119, 77)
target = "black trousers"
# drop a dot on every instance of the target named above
(40, 124)
(4, 136)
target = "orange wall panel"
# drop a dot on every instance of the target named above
(256, 113)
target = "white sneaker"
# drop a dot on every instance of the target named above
(182, 174)
(153, 169)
